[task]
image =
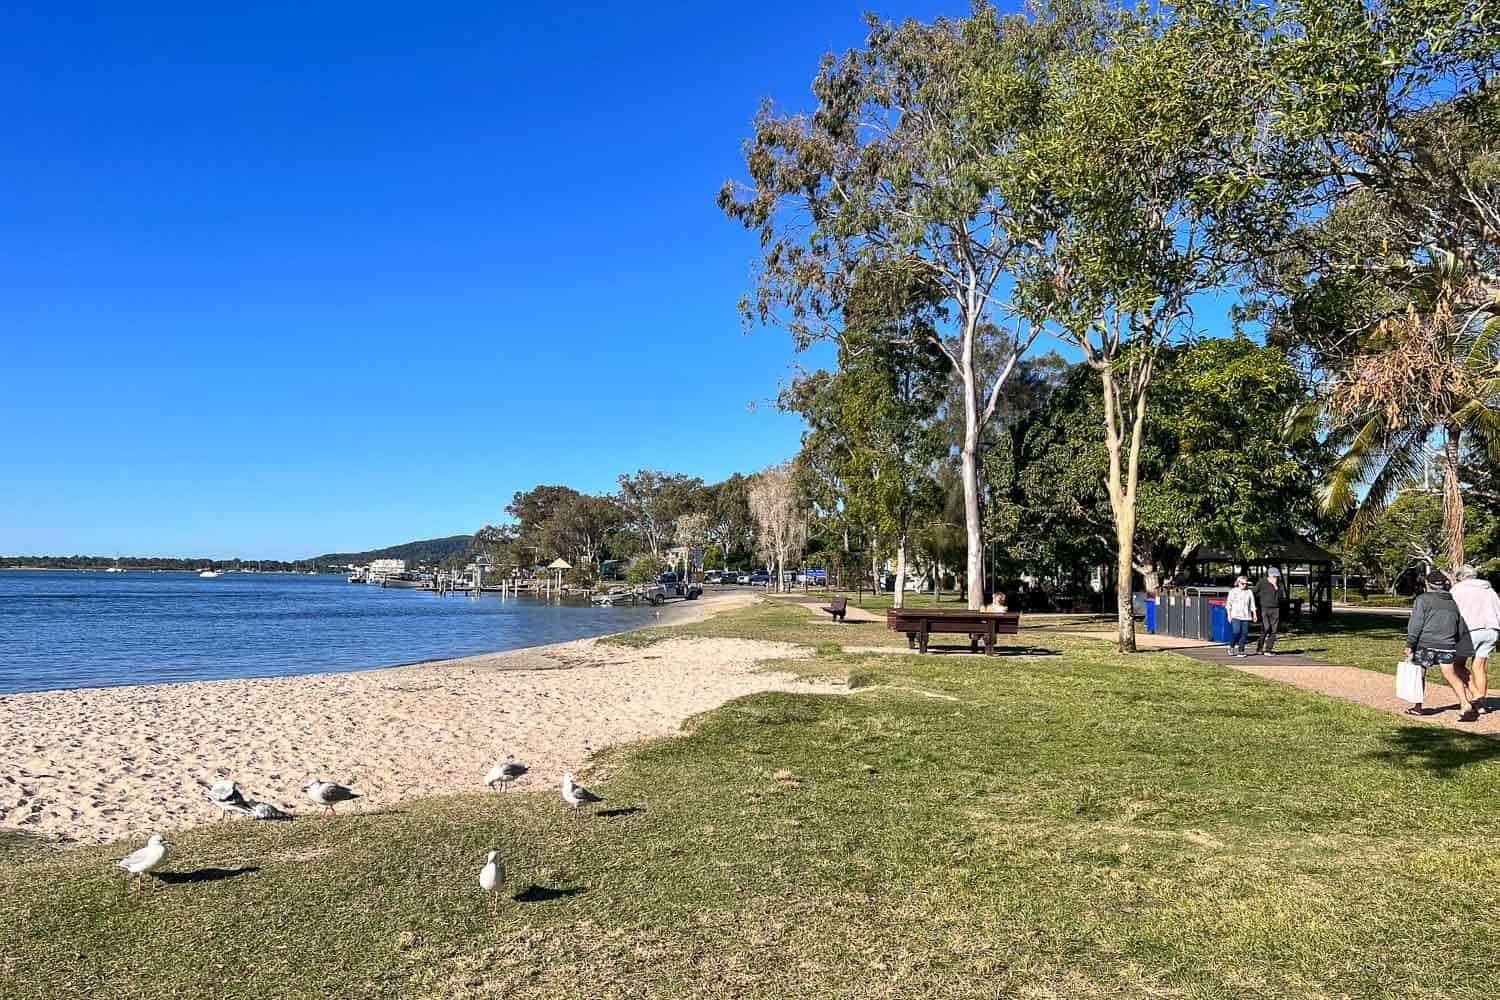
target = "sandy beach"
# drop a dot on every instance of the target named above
(97, 764)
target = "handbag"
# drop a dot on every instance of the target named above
(1410, 681)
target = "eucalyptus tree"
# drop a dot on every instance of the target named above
(652, 500)
(780, 516)
(885, 183)
(1139, 191)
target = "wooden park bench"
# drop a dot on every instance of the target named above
(920, 623)
(838, 607)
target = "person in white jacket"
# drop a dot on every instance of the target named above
(1480, 607)
(1240, 604)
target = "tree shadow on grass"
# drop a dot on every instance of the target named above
(545, 894)
(621, 811)
(204, 875)
(1436, 749)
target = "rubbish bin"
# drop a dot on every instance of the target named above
(1219, 618)
(1151, 615)
(1198, 612)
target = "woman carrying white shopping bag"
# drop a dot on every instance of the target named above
(1432, 638)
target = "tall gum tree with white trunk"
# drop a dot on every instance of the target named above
(1137, 181)
(885, 181)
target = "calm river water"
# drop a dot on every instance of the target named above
(66, 629)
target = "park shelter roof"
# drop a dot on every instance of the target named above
(559, 563)
(1288, 550)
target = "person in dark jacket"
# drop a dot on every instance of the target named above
(1433, 637)
(1269, 597)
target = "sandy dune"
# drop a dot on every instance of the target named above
(97, 764)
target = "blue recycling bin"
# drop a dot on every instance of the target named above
(1150, 616)
(1219, 617)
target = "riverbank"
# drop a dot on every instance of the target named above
(91, 765)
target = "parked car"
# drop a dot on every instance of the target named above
(742, 578)
(714, 576)
(759, 578)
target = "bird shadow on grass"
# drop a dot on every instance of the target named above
(544, 894)
(1436, 749)
(621, 811)
(204, 875)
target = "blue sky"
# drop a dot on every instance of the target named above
(315, 277)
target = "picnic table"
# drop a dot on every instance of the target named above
(921, 623)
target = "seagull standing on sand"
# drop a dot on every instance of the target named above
(577, 795)
(328, 793)
(492, 877)
(505, 772)
(147, 858)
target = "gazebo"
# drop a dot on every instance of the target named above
(1299, 560)
(559, 566)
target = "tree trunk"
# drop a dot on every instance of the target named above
(1453, 500)
(898, 601)
(1121, 485)
(969, 466)
(1125, 578)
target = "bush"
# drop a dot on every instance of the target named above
(645, 570)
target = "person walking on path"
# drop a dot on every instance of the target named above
(1479, 606)
(1241, 607)
(1268, 597)
(1433, 637)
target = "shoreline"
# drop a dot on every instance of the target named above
(92, 765)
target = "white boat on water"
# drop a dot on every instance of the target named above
(209, 574)
(403, 581)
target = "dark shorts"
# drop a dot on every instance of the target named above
(1432, 657)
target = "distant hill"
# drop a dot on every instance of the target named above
(431, 550)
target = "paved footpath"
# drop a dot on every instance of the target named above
(1366, 687)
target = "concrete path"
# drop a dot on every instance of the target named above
(1367, 687)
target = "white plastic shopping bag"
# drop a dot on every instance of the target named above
(1409, 681)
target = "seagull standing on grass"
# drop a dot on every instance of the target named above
(328, 793)
(492, 878)
(577, 795)
(505, 772)
(147, 858)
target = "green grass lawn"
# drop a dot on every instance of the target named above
(1358, 639)
(1071, 825)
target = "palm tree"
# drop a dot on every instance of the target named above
(1431, 371)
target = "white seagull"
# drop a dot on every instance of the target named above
(328, 793)
(147, 858)
(577, 795)
(492, 877)
(504, 772)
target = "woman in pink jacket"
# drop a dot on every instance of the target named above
(1480, 607)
